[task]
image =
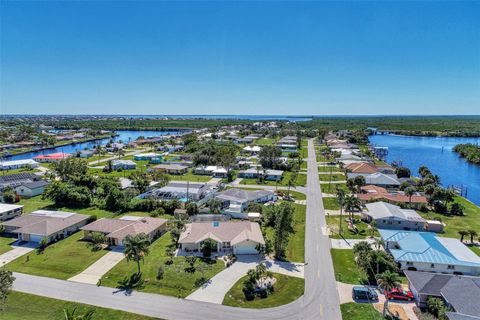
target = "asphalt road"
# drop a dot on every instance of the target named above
(320, 301)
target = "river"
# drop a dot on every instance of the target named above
(436, 153)
(123, 135)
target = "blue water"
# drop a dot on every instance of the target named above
(435, 153)
(123, 136)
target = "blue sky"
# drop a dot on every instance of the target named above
(309, 58)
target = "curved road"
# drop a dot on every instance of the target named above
(320, 300)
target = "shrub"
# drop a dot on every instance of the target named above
(160, 273)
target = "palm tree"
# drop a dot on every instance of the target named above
(70, 314)
(409, 192)
(387, 281)
(292, 182)
(378, 242)
(472, 234)
(462, 234)
(340, 197)
(351, 203)
(136, 248)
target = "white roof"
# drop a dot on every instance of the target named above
(380, 209)
(459, 250)
(252, 149)
(4, 207)
(53, 214)
(18, 162)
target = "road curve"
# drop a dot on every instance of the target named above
(320, 300)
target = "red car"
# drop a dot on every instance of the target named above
(400, 294)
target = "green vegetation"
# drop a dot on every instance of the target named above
(333, 223)
(475, 249)
(359, 311)
(333, 177)
(23, 306)
(286, 289)
(332, 188)
(469, 151)
(331, 203)
(177, 279)
(346, 270)
(323, 168)
(60, 260)
(301, 180)
(5, 244)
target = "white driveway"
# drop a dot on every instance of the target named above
(94, 272)
(16, 252)
(348, 243)
(215, 289)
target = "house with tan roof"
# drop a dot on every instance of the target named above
(45, 224)
(237, 237)
(115, 230)
(371, 193)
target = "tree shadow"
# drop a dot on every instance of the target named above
(130, 283)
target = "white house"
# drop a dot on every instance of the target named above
(9, 211)
(236, 201)
(16, 164)
(215, 171)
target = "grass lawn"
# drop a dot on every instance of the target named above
(475, 249)
(60, 260)
(5, 244)
(359, 311)
(333, 224)
(176, 282)
(19, 170)
(346, 270)
(471, 219)
(23, 306)
(331, 203)
(333, 177)
(189, 176)
(301, 180)
(286, 289)
(264, 141)
(37, 203)
(304, 152)
(297, 195)
(332, 188)
(323, 168)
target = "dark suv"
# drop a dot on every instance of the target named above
(364, 293)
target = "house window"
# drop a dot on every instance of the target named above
(432, 266)
(409, 263)
(451, 267)
(225, 245)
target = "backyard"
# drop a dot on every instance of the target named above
(286, 289)
(60, 260)
(176, 280)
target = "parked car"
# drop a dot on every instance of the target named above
(364, 293)
(400, 294)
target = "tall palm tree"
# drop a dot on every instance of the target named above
(292, 182)
(351, 203)
(136, 248)
(462, 234)
(341, 198)
(409, 192)
(387, 281)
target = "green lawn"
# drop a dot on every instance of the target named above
(304, 152)
(19, 170)
(475, 249)
(23, 306)
(301, 180)
(189, 176)
(60, 260)
(323, 168)
(359, 311)
(333, 177)
(176, 282)
(331, 203)
(264, 141)
(297, 195)
(471, 219)
(332, 188)
(334, 222)
(346, 270)
(5, 244)
(286, 289)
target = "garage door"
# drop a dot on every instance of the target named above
(35, 238)
(245, 250)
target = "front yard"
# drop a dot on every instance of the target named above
(5, 244)
(332, 188)
(333, 223)
(60, 260)
(346, 270)
(176, 280)
(359, 311)
(331, 177)
(286, 290)
(331, 203)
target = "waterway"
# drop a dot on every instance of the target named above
(436, 153)
(123, 136)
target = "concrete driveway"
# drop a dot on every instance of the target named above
(94, 272)
(348, 243)
(17, 251)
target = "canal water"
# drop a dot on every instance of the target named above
(123, 136)
(436, 153)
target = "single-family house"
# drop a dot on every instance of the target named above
(16, 179)
(377, 179)
(215, 171)
(85, 153)
(252, 149)
(171, 168)
(9, 211)
(371, 193)
(151, 156)
(31, 189)
(235, 201)
(183, 191)
(425, 251)
(237, 237)
(52, 157)
(123, 164)
(114, 147)
(254, 173)
(45, 224)
(17, 164)
(115, 230)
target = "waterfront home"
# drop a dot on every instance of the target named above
(115, 230)
(16, 179)
(31, 189)
(170, 168)
(183, 191)
(389, 216)
(425, 251)
(44, 224)
(254, 173)
(235, 202)
(377, 179)
(215, 171)
(237, 237)
(9, 211)
(123, 164)
(368, 168)
(85, 153)
(17, 164)
(53, 157)
(371, 193)
(460, 293)
(114, 147)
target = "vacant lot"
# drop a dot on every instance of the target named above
(333, 223)
(331, 177)
(331, 203)
(332, 188)
(345, 268)
(286, 289)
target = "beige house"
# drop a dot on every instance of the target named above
(237, 237)
(9, 211)
(115, 230)
(176, 169)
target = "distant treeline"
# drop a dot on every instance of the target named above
(469, 151)
(454, 126)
